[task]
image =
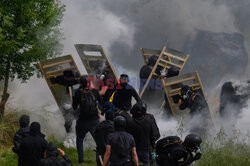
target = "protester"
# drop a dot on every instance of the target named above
(32, 147)
(87, 100)
(122, 94)
(101, 133)
(23, 132)
(144, 131)
(199, 110)
(172, 152)
(51, 157)
(120, 148)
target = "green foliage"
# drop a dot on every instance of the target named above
(8, 126)
(29, 32)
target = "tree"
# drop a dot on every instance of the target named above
(29, 32)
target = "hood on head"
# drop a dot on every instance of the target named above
(35, 128)
(51, 150)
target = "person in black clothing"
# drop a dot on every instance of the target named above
(144, 132)
(32, 147)
(120, 148)
(23, 132)
(123, 93)
(155, 130)
(199, 110)
(52, 159)
(101, 133)
(87, 100)
(68, 80)
(160, 71)
(171, 151)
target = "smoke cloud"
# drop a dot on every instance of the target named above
(122, 27)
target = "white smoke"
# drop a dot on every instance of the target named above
(122, 27)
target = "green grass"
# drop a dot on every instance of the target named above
(231, 152)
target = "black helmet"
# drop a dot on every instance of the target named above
(83, 81)
(173, 71)
(152, 60)
(186, 91)
(119, 123)
(192, 141)
(124, 77)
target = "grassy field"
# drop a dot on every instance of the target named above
(219, 152)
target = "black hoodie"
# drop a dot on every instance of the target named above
(32, 148)
(52, 157)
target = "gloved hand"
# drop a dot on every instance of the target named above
(163, 72)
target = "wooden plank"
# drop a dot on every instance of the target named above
(168, 98)
(56, 64)
(110, 64)
(175, 93)
(93, 58)
(178, 89)
(180, 81)
(168, 62)
(173, 56)
(57, 102)
(55, 60)
(60, 70)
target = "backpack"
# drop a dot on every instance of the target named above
(170, 151)
(166, 144)
(88, 102)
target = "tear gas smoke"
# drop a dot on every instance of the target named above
(122, 27)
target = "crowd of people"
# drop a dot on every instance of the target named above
(129, 135)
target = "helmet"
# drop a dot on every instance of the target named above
(152, 60)
(124, 77)
(186, 91)
(83, 81)
(173, 71)
(119, 123)
(192, 141)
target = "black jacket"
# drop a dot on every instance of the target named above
(197, 104)
(101, 133)
(77, 102)
(123, 97)
(18, 137)
(144, 131)
(32, 150)
(52, 159)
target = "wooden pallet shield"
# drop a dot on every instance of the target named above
(95, 60)
(56, 67)
(172, 87)
(167, 58)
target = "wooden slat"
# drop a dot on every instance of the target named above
(173, 56)
(60, 70)
(173, 94)
(180, 81)
(56, 64)
(178, 89)
(168, 62)
(93, 58)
